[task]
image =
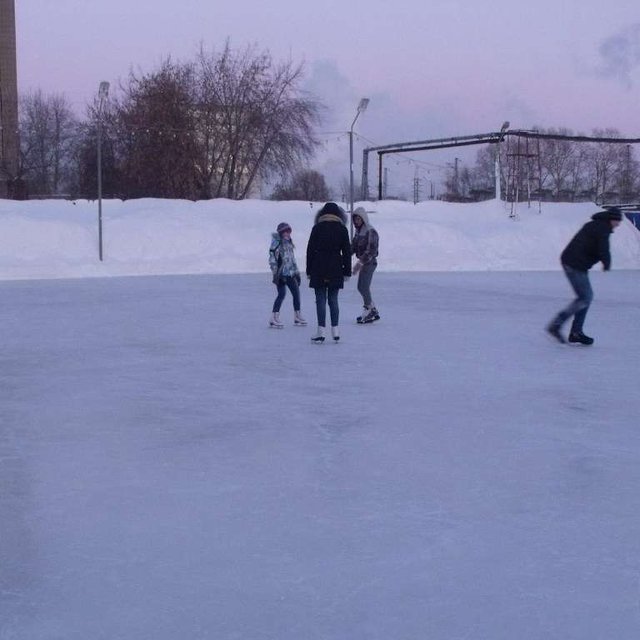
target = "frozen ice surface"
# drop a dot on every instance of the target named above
(171, 468)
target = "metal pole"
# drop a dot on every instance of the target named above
(365, 174)
(503, 131)
(100, 185)
(103, 92)
(351, 177)
(362, 106)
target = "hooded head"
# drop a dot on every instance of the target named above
(362, 214)
(282, 227)
(332, 209)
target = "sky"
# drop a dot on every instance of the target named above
(431, 69)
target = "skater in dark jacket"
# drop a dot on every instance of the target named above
(328, 264)
(589, 246)
(365, 247)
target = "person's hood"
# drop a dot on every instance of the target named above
(331, 212)
(360, 212)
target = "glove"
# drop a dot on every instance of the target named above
(275, 278)
(356, 267)
(297, 279)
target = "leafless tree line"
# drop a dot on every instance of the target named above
(553, 169)
(217, 126)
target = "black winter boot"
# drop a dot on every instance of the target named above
(580, 338)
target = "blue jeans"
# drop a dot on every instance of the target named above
(324, 295)
(283, 283)
(579, 281)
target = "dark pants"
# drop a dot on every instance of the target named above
(579, 281)
(283, 283)
(330, 295)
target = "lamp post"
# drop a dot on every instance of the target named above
(103, 92)
(362, 107)
(503, 131)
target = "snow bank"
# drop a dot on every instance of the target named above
(59, 239)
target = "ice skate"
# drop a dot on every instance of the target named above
(274, 321)
(372, 316)
(318, 338)
(554, 331)
(298, 320)
(577, 337)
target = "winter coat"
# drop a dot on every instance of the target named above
(365, 241)
(328, 252)
(590, 244)
(282, 260)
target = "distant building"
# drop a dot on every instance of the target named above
(9, 147)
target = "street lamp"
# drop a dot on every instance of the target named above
(103, 92)
(362, 107)
(503, 132)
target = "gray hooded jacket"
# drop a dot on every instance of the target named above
(365, 240)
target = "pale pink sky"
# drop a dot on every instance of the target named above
(431, 67)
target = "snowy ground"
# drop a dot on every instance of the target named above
(59, 239)
(171, 468)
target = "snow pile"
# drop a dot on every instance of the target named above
(59, 239)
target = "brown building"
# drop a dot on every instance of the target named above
(8, 99)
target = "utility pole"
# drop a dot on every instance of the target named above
(456, 189)
(626, 190)
(362, 107)
(9, 147)
(103, 92)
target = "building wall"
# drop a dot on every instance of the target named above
(8, 98)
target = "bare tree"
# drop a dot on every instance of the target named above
(304, 185)
(210, 128)
(557, 159)
(48, 130)
(257, 121)
(603, 159)
(156, 134)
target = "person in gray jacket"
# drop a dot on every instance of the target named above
(364, 246)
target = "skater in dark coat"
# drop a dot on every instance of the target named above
(328, 264)
(589, 246)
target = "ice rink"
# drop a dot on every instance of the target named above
(172, 468)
